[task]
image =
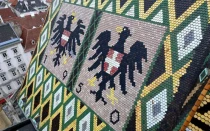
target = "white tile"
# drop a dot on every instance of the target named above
(158, 17)
(159, 98)
(58, 93)
(69, 106)
(32, 70)
(194, 26)
(48, 86)
(85, 122)
(39, 78)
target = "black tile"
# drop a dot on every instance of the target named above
(182, 5)
(30, 89)
(122, 2)
(45, 110)
(148, 4)
(158, 67)
(37, 100)
(56, 123)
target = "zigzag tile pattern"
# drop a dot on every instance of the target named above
(103, 65)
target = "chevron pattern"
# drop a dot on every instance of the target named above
(73, 97)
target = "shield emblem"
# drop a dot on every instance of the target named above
(65, 37)
(112, 61)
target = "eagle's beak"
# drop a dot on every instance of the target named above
(119, 29)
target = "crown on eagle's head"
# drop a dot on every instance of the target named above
(119, 29)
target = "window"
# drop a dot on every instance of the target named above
(23, 68)
(15, 50)
(18, 82)
(33, 42)
(4, 54)
(9, 63)
(3, 77)
(9, 87)
(18, 59)
(14, 73)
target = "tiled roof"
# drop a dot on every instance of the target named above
(49, 1)
(13, 2)
(6, 13)
(35, 21)
(7, 35)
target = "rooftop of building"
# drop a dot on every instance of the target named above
(24, 6)
(13, 2)
(6, 13)
(33, 28)
(35, 21)
(2, 4)
(7, 35)
(49, 1)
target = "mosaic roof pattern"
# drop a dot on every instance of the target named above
(198, 117)
(117, 64)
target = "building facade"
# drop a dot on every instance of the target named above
(13, 61)
(27, 31)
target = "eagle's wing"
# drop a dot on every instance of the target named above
(135, 56)
(102, 45)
